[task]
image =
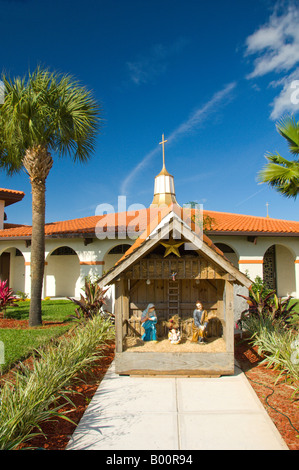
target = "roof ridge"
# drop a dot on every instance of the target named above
(251, 216)
(12, 190)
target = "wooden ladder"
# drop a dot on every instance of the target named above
(173, 298)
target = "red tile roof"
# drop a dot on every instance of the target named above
(10, 191)
(229, 222)
(221, 223)
(10, 196)
(155, 222)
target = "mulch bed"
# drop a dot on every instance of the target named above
(263, 380)
(24, 324)
(271, 393)
(57, 432)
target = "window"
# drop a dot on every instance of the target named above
(63, 250)
(224, 248)
(119, 249)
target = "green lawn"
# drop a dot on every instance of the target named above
(293, 301)
(19, 343)
(52, 310)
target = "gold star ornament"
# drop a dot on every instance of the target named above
(172, 247)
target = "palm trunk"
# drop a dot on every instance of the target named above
(38, 163)
(37, 252)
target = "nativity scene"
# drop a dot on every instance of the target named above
(174, 297)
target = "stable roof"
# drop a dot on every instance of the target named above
(170, 221)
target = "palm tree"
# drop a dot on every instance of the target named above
(43, 115)
(279, 172)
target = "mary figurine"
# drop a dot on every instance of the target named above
(149, 321)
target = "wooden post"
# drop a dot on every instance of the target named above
(125, 306)
(119, 316)
(229, 314)
(220, 285)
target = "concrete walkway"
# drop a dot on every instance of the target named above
(132, 413)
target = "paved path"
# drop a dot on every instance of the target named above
(139, 413)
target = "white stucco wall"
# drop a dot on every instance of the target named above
(19, 274)
(286, 281)
(251, 257)
(2, 205)
(64, 275)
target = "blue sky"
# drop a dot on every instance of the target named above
(214, 77)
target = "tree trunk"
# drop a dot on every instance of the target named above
(37, 252)
(38, 163)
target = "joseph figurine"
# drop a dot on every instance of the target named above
(200, 323)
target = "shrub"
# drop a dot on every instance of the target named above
(277, 344)
(6, 297)
(90, 304)
(263, 303)
(22, 295)
(26, 403)
(284, 311)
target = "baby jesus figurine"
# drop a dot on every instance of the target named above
(174, 334)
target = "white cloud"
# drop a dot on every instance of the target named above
(190, 124)
(277, 44)
(199, 114)
(154, 64)
(288, 99)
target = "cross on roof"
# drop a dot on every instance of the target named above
(163, 142)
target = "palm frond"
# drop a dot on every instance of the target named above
(47, 109)
(282, 174)
(289, 129)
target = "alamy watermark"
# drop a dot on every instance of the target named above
(295, 94)
(1, 92)
(136, 220)
(2, 358)
(295, 351)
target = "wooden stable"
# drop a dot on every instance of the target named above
(174, 283)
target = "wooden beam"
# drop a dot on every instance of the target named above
(135, 286)
(218, 259)
(154, 363)
(141, 251)
(125, 306)
(229, 316)
(119, 316)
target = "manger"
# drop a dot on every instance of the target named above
(173, 282)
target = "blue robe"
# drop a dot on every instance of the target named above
(149, 326)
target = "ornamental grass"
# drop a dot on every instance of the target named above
(278, 344)
(33, 395)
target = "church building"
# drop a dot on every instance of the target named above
(92, 245)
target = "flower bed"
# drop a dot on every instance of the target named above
(11, 323)
(276, 397)
(36, 392)
(57, 432)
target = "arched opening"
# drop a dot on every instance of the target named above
(111, 257)
(279, 270)
(229, 253)
(62, 272)
(114, 254)
(12, 268)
